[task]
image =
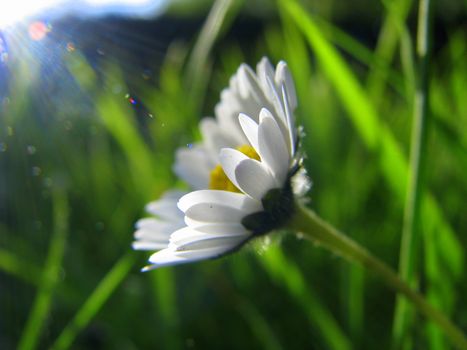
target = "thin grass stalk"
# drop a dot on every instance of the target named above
(391, 32)
(50, 275)
(378, 137)
(209, 33)
(410, 243)
(95, 301)
(287, 274)
(19, 268)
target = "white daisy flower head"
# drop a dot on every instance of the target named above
(246, 173)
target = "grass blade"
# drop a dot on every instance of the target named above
(447, 250)
(95, 301)
(393, 30)
(41, 307)
(209, 33)
(287, 274)
(12, 264)
(258, 325)
(410, 243)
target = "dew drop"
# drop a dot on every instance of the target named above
(68, 125)
(3, 48)
(31, 150)
(36, 171)
(146, 74)
(4, 57)
(70, 47)
(47, 182)
(131, 99)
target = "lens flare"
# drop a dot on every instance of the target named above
(38, 30)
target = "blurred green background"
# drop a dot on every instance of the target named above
(90, 117)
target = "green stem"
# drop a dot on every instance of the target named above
(308, 223)
(411, 230)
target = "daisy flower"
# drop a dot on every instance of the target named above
(245, 173)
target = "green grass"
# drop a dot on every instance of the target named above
(68, 277)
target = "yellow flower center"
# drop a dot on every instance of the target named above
(219, 181)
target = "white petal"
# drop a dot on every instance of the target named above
(155, 224)
(272, 147)
(157, 235)
(193, 166)
(229, 159)
(214, 138)
(189, 234)
(254, 179)
(248, 84)
(290, 122)
(169, 257)
(265, 71)
(207, 253)
(234, 200)
(147, 245)
(211, 213)
(250, 129)
(166, 207)
(207, 242)
(223, 229)
(283, 76)
(226, 113)
(276, 101)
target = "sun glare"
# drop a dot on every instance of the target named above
(17, 10)
(14, 11)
